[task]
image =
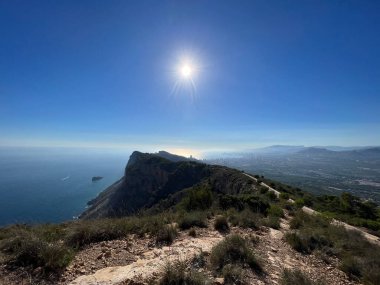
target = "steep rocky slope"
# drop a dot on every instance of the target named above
(150, 178)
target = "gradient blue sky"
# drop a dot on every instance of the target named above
(101, 73)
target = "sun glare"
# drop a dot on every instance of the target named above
(186, 71)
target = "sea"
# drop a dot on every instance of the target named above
(51, 185)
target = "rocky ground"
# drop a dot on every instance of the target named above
(136, 260)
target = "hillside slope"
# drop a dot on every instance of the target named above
(150, 178)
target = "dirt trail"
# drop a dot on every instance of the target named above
(371, 238)
(135, 260)
(270, 247)
(150, 262)
(277, 255)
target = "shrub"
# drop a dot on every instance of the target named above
(82, 233)
(198, 198)
(300, 202)
(29, 250)
(275, 211)
(199, 260)
(284, 196)
(230, 201)
(271, 195)
(272, 222)
(192, 232)
(256, 204)
(358, 257)
(263, 189)
(232, 274)
(245, 219)
(290, 207)
(351, 266)
(293, 277)
(193, 219)
(177, 274)
(166, 235)
(296, 242)
(221, 224)
(233, 250)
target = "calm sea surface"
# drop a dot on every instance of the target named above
(53, 185)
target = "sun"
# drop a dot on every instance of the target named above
(186, 71)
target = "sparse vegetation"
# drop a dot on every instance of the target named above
(199, 260)
(198, 198)
(284, 196)
(233, 274)
(192, 232)
(233, 250)
(296, 277)
(178, 274)
(27, 249)
(239, 202)
(275, 211)
(245, 219)
(272, 222)
(350, 209)
(193, 219)
(166, 235)
(53, 246)
(271, 195)
(221, 224)
(358, 256)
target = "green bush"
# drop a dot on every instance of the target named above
(221, 224)
(193, 219)
(26, 249)
(300, 202)
(232, 274)
(272, 222)
(166, 235)
(358, 257)
(271, 195)
(284, 196)
(245, 219)
(230, 201)
(192, 232)
(199, 260)
(296, 242)
(233, 250)
(177, 274)
(296, 277)
(351, 266)
(253, 202)
(263, 189)
(198, 198)
(275, 211)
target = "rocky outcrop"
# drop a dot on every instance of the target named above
(150, 178)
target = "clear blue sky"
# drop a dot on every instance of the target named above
(101, 73)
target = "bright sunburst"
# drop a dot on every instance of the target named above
(186, 71)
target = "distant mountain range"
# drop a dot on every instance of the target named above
(292, 149)
(320, 170)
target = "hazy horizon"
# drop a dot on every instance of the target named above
(46, 151)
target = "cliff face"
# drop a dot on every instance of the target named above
(147, 179)
(150, 178)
